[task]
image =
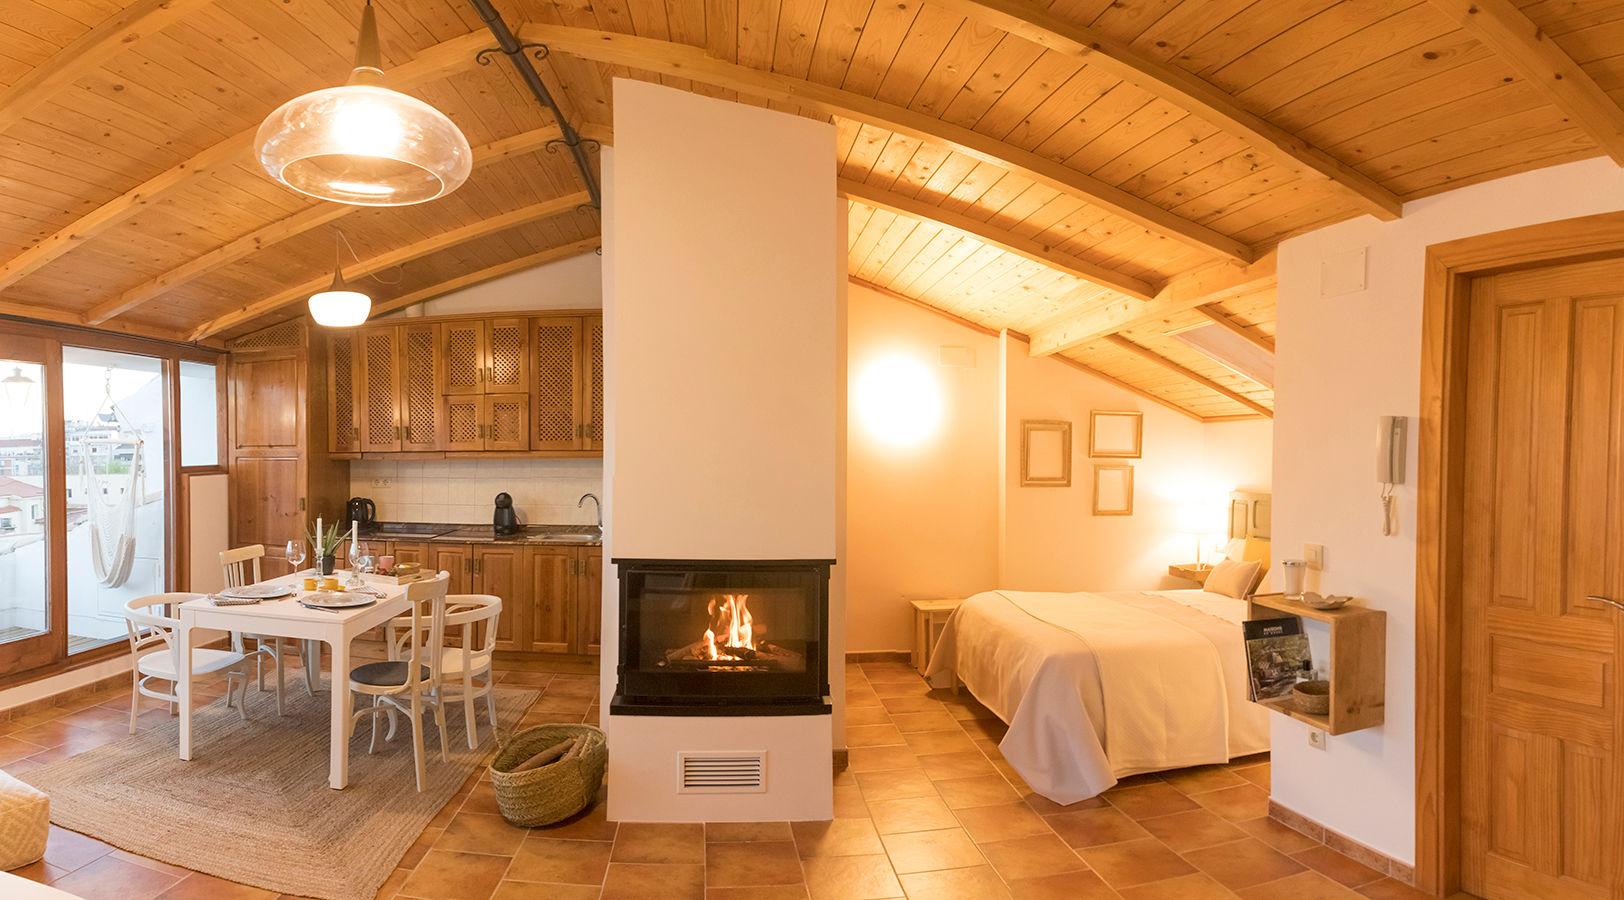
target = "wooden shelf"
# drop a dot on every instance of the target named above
(1191, 572)
(1357, 667)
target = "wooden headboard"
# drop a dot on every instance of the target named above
(1249, 513)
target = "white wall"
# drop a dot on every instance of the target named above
(463, 491)
(574, 283)
(208, 531)
(1342, 362)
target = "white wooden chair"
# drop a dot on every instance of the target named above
(151, 624)
(409, 685)
(476, 616)
(240, 567)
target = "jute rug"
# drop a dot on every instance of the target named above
(253, 804)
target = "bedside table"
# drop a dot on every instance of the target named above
(929, 617)
(1197, 574)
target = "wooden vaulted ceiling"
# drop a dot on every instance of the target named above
(1097, 175)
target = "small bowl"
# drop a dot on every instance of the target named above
(1324, 602)
(1312, 697)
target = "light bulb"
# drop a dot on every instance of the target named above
(341, 308)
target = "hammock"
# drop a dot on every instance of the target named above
(112, 514)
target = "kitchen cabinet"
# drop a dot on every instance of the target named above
(589, 601)
(499, 570)
(380, 390)
(486, 356)
(422, 374)
(551, 607)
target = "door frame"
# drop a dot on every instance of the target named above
(1446, 317)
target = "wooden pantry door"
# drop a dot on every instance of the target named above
(1541, 722)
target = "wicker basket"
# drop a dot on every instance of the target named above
(556, 791)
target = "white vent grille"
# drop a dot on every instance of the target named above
(723, 772)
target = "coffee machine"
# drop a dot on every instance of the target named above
(506, 519)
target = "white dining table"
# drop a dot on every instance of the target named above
(289, 618)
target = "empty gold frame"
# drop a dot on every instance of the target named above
(1116, 435)
(1045, 453)
(1113, 490)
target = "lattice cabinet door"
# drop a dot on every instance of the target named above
(380, 389)
(507, 360)
(343, 386)
(507, 422)
(556, 404)
(593, 384)
(421, 377)
(463, 351)
(463, 423)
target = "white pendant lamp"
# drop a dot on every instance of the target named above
(340, 305)
(363, 143)
(18, 387)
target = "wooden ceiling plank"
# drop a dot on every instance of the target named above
(1190, 374)
(433, 63)
(1217, 316)
(1504, 27)
(556, 254)
(396, 257)
(679, 60)
(1188, 91)
(997, 237)
(1130, 388)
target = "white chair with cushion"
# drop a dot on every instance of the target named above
(25, 823)
(152, 622)
(471, 618)
(409, 685)
(240, 567)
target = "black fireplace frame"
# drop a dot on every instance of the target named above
(633, 696)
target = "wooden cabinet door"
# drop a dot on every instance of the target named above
(589, 601)
(343, 389)
(508, 358)
(555, 405)
(380, 389)
(507, 422)
(552, 604)
(456, 559)
(267, 401)
(499, 571)
(422, 377)
(411, 552)
(267, 507)
(462, 351)
(592, 384)
(463, 423)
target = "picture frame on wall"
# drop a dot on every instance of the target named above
(1116, 435)
(1045, 453)
(1113, 490)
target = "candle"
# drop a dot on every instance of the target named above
(318, 537)
(355, 536)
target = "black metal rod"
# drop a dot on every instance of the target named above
(510, 46)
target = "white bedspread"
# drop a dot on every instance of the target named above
(1099, 686)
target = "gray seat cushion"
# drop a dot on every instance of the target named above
(385, 674)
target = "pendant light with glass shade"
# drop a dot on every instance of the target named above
(362, 143)
(17, 387)
(340, 305)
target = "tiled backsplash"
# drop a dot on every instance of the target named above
(463, 491)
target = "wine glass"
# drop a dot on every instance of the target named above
(360, 561)
(294, 553)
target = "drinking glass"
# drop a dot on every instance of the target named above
(294, 553)
(360, 561)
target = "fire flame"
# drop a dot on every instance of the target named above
(732, 619)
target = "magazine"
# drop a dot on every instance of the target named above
(1277, 655)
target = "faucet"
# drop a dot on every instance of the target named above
(595, 502)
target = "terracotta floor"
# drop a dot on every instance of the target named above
(926, 809)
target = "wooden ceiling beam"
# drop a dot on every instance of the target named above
(696, 64)
(92, 49)
(433, 63)
(1208, 284)
(64, 317)
(555, 254)
(992, 235)
(1183, 89)
(1118, 383)
(1505, 29)
(1149, 355)
(285, 228)
(399, 255)
(1217, 316)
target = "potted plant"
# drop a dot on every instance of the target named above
(324, 544)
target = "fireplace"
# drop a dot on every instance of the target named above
(723, 637)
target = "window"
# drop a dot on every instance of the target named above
(199, 414)
(24, 535)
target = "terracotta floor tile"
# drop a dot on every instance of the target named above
(1192, 830)
(1031, 857)
(1243, 863)
(1000, 823)
(1277, 834)
(897, 784)
(966, 764)
(927, 851)
(1159, 799)
(12, 749)
(654, 881)
(890, 689)
(891, 673)
(1302, 886)
(71, 850)
(529, 679)
(1083, 885)
(989, 728)
(1258, 774)
(916, 704)
(1203, 778)
(744, 865)
(935, 720)
(198, 886)
(1092, 827)
(553, 860)
(731, 832)
(849, 803)
(115, 879)
(933, 742)
(387, 891)
(912, 814)
(1236, 804)
(1188, 887)
(765, 892)
(452, 875)
(40, 871)
(851, 878)
(977, 883)
(1392, 889)
(1135, 862)
(841, 837)
(529, 890)
(482, 799)
(480, 833)
(1338, 868)
(589, 825)
(155, 865)
(649, 842)
(880, 759)
(982, 790)
(1043, 806)
(873, 735)
(870, 715)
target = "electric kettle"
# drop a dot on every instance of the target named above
(361, 510)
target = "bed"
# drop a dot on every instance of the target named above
(1099, 686)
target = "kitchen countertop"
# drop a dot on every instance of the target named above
(551, 535)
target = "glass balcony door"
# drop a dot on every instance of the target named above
(30, 613)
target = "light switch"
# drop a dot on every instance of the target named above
(1314, 555)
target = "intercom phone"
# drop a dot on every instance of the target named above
(1390, 466)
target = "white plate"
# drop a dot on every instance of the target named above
(337, 599)
(258, 592)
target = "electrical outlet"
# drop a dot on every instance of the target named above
(1314, 555)
(1316, 738)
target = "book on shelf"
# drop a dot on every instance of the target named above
(1277, 656)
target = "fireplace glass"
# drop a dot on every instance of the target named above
(723, 637)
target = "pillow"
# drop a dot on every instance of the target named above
(1233, 578)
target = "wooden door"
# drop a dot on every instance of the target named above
(421, 378)
(463, 423)
(507, 422)
(589, 601)
(1541, 724)
(266, 399)
(499, 571)
(592, 384)
(343, 382)
(463, 353)
(267, 507)
(455, 559)
(555, 404)
(380, 389)
(507, 363)
(552, 606)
